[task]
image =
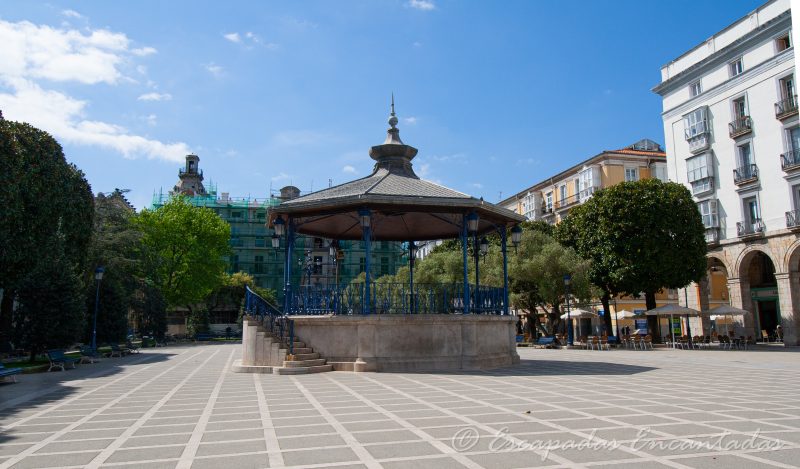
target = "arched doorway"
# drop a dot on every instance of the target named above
(713, 293)
(760, 294)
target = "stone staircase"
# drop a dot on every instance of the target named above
(264, 352)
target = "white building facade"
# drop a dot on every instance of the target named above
(732, 137)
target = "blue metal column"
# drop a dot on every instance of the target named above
(464, 240)
(287, 268)
(477, 251)
(411, 273)
(367, 232)
(503, 240)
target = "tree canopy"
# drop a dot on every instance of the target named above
(184, 247)
(640, 237)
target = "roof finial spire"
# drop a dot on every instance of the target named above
(392, 117)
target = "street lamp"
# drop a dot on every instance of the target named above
(472, 222)
(516, 236)
(567, 283)
(280, 226)
(276, 242)
(484, 246)
(98, 275)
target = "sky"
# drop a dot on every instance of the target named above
(497, 96)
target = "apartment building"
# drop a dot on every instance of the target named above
(732, 137)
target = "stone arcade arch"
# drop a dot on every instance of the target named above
(757, 287)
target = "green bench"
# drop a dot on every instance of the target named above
(6, 372)
(59, 360)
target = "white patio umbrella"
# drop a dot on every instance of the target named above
(625, 314)
(727, 310)
(672, 310)
(579, 313)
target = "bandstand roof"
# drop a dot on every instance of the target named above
(403, 206)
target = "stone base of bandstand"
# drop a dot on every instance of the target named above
(402, 343)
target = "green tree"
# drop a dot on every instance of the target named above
(183, 249)
(44, 198)
(641, 237)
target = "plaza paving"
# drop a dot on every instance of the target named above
(181, 407)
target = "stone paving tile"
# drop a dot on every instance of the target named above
(432, 463)
(249, 461)
(312, 442)
(55, 460)
(331, 455)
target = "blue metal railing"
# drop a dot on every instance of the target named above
(281, 326)
(394, 298)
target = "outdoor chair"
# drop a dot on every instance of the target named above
(88, 355)
(584, 342)
(764, 336)
(58, 359)
(595, 343)
(647, 342)
(116, 351)
(9, 372)
(604, 343)
(132, 348)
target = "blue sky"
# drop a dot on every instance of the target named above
(495, 95)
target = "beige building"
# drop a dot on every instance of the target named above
(551, 199)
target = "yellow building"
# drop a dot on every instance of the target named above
(551, 199)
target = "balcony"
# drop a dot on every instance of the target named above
(585, 194)
(790, 160)
(786, 107)
(793, 220)
(547, 210)
(740, 126)
(745, 174)
(750, 230)
(712, 236)
(182, 171)
(568, 202)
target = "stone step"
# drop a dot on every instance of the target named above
(302, 350)
(303, 363)
(306, 356)
(301, 370)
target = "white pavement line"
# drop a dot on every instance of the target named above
(15, 459)
(271, 438)
(34, 395)
(190, 450)
(441, 446)
(516, 441)
(117, 443)
(348, 437)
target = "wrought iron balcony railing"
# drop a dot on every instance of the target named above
(745, 174)
(569, 201)
(740, 126)
(547, 209)
(182, 171)
(793, 219)
(786, 107)
(790, 159)
(754, 228)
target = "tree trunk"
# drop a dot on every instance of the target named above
(607, 313)
(653, 325)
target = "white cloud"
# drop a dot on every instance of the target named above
(410, 120)
(425, 5)
(477, 185)
(152, 120)
(233, 37)
(280, 177)
(349, 169)
(455, 157)
(144, 51)
(34, 55)
(155, 97)
(71, 14)
(214, 69)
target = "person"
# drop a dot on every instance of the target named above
(519, 325)
(779, 333)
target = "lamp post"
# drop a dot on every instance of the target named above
(98, 275)
(567, 283)
(516, 236)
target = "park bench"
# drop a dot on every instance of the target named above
(88, 355)
(203, 336)
(6, 372)
(116, 351)
(131, 347)
(545, 342)
(59, 360)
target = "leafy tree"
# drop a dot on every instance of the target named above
(112, 309)
(51, 308)
(150, 309)
(641, 237)
(183, 249)
(43, 198)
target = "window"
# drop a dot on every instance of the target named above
(549, 202)
(631, 174)
(787, 87)
(700, 173)
(744, 155)
(660, 172)
(739, 108)
(793, 138)
(783, 43)
(735, 67)
(752, 214)
(696, 122)
(576, 186)
(589, 179)
(695, 89)
(528, 206)
(260, 242)
(258, 267)
(562, 192)
(236, 214)
(708, 212)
